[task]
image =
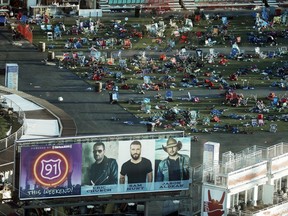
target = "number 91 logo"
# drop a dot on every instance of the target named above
(51, 168)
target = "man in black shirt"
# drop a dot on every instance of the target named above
(138, 169)
(105, 170)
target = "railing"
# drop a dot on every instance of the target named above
(277, 150)
(218, 173)
(265, 207)
(10, 140)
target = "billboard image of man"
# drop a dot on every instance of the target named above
(138, 169)
(104, 171)
(176, 166)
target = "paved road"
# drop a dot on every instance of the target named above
(92, 111)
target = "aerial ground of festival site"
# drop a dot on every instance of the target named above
(218, 75)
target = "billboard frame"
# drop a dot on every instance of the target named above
(103, 138)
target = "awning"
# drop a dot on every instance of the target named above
(16, 101)
(38, 128)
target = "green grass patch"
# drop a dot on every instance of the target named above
(238, 27)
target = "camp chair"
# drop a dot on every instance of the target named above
(102, 43)
(235, 130)
(176, 33)
(199, 53)
(282, 50)
(169, 96)
(215, 31)
(215, 119)
(66, 56)
(254, 123)
(77, 45)
(260, 122)
(184, 39)
(49, 36)
(275, 101)
(234, 53)
(277, 20)
(122, 63)
(114, 97)
(199, 34)
(206, 121)
(23, 19)
(49, 27)
(224, 20)
(187, 98)
(43, 27)
(273, 128)
(57, 32)
(95, 54)
(271, 54)
(127, 44)
(74, 30)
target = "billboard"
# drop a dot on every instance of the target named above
(50, 171)
(214, 201)
(99, 168)
(11, 75)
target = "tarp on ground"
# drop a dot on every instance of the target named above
(38, 128)
(25, 105)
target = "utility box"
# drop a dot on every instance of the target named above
(11, 76)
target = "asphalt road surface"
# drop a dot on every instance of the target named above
(92, 111)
